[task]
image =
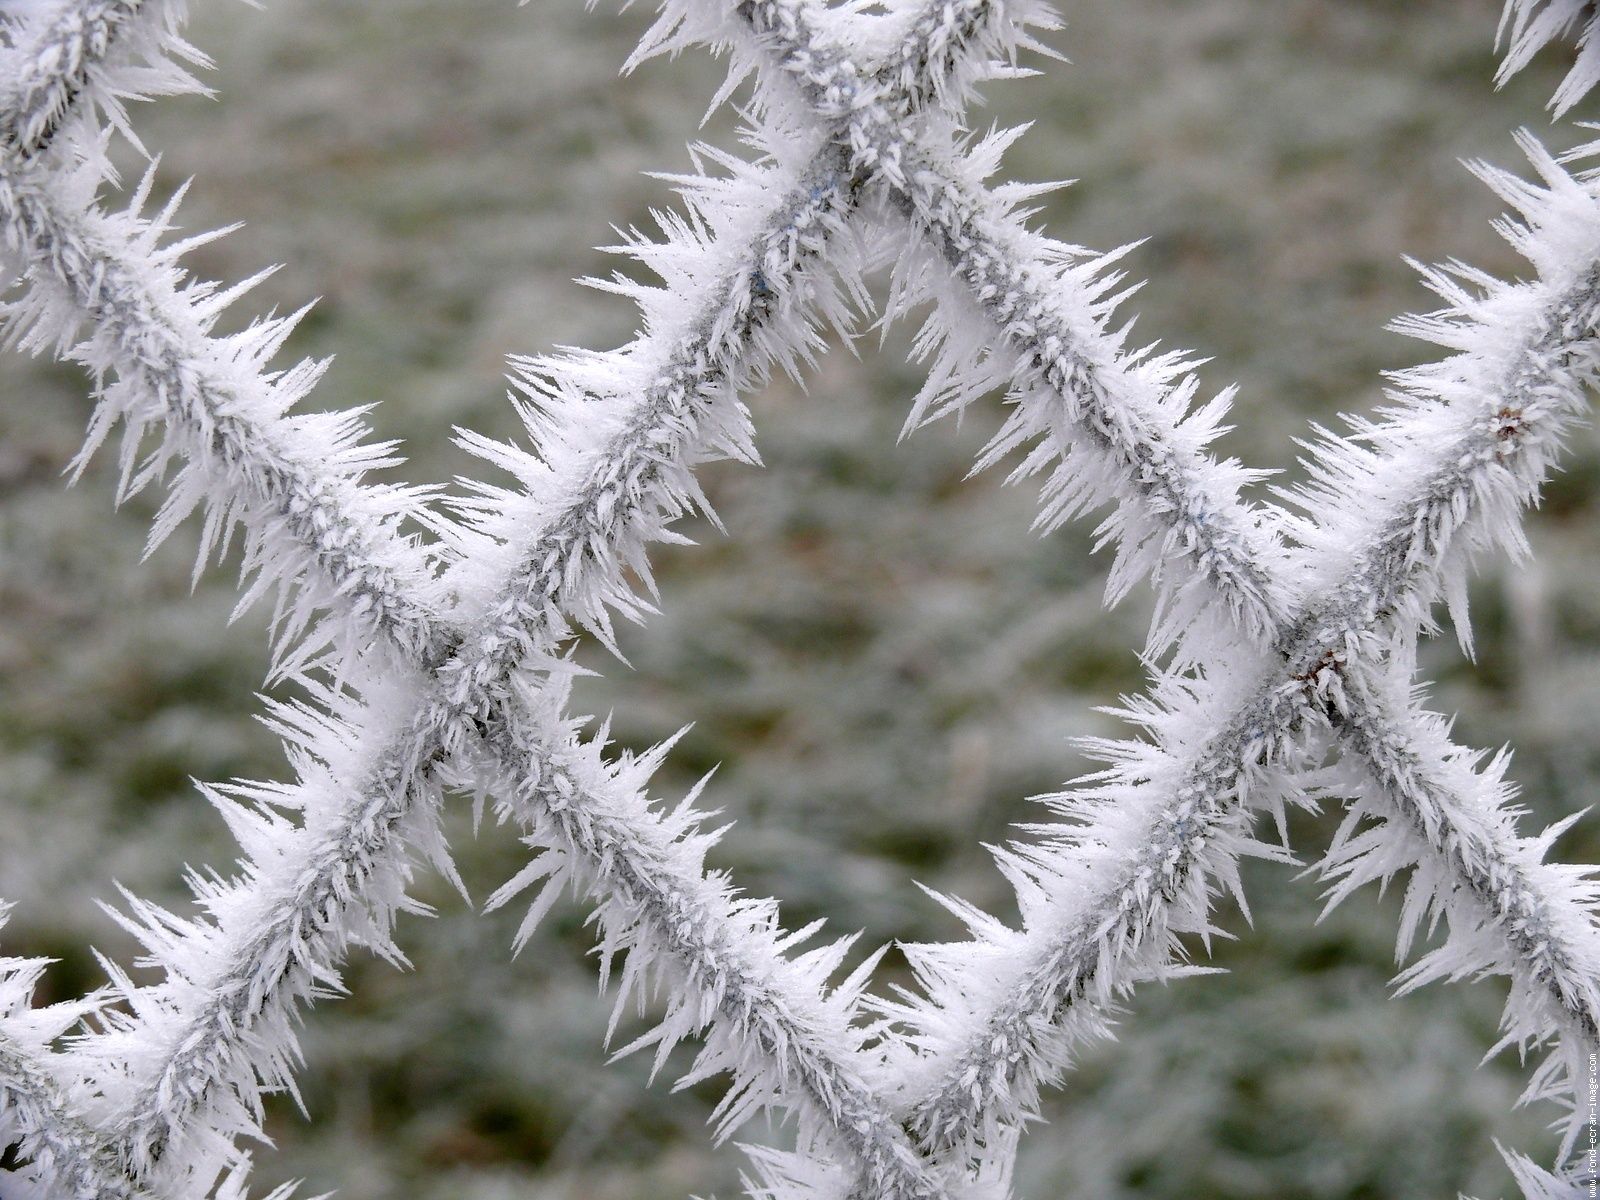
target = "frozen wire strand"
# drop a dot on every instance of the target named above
(236, 994)
(234, 990)
(766, 1001)
(955, 222)
(109, 271)
(857, 1121)
(56, 70)
(37, 1121)
(1551, 959)
(473, 700)
(974, 1083)
(64, 1148)
(109, 51)
(150, 335)
(107, 287)
(1498, 880)
(315, 524)
(1101, 401)
(952, 1109)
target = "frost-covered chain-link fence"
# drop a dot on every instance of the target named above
(428, 633)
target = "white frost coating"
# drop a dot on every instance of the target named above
(73, 55)
(290, 484)
(36, 1110)
(1108, 424)
(277, 935)
(1122, 929)
(768, 1015)
(615, 436)
(478, 695)
(1414, 498)
(1538, 1184)
(1400, 513)
(1528, 26)
(310, 529)
(1477, 433)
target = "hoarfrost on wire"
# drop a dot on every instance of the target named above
(434, 662)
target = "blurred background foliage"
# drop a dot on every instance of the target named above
(882, 658)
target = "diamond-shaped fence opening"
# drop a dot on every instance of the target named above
(425, 634)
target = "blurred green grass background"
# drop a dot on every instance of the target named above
(880, 656)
